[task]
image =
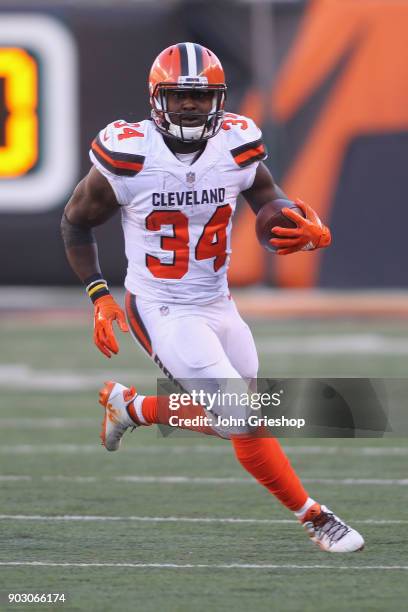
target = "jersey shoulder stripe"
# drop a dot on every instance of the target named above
(121, 164)
(244, 140)
(248, 153)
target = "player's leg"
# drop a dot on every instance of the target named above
(188, 351)
(190, 348)
(237, 340)
(265, 459)
(180, 341)
(207, 343)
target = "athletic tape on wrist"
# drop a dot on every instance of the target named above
(97, 288)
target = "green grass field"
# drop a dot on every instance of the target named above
(149, 528)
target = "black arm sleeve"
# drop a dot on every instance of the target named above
(75, 235)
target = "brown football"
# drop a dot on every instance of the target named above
(270, 216)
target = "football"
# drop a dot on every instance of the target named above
(270, 216)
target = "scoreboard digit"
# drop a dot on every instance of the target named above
(19, 146)
(38, 112)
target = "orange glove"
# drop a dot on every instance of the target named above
(107, 311)
(309, 234)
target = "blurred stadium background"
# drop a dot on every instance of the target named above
(327, 82)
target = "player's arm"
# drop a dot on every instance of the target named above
(263, 190)
(310, 232)
(92, 203)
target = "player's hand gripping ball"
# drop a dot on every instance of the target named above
(285, 227)
(270, 216)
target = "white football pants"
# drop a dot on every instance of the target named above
(190, 342)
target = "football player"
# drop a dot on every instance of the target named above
(175, 179)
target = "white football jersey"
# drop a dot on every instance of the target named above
(176, 218)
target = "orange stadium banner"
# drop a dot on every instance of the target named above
(362, 46)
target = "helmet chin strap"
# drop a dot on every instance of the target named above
(188, 133)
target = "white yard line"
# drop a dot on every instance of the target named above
(219, 449)
(334, 344)
(24, 377)
(403, 482)
(205, 565)
(237, 480)
(46, 423)
(40, 449)
(202, 480)
(176, 519)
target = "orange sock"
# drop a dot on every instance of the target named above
(156, 410)
(265, 460)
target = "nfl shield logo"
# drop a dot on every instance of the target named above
(190, 176)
